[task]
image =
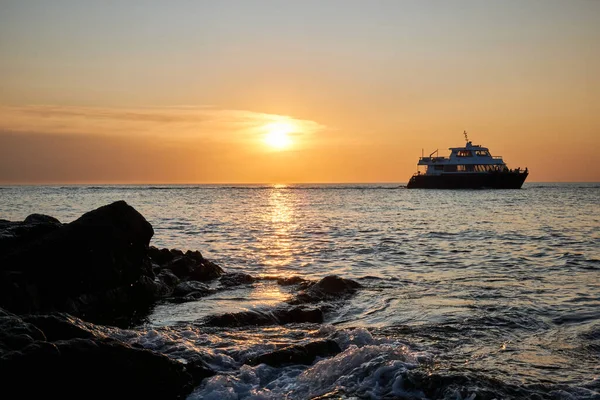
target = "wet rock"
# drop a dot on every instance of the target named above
(162, 256)
(81, 266)
(59, 326)
(78, 367)
(99, 267)
(168, 277)
(148, 289)
(288, 280)
(69, 358)
(333, 284)
(189, 268)
(440, 385)
(192, 289)
(235, 279)
(292, 280)
(279, 316)
(335, 394)
(181, 267)
(195, 255)
(207, 271)
(331, 287)
(190, 265)
(199, 369)
(15, 234)
(299, 315)
(298, 354)
(16, 334)
(41, 219)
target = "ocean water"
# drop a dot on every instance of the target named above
(467, 294)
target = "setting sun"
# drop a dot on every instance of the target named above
(278, 134)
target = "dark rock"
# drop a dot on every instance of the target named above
(182, 267)
(260, 318)
(41, 219)
(192, 288)
(163, 256)
(206, 271)
(292, 280)
(168, 277)
(182, 264)
(159, 256)
(16, 334)
(148, 289)
(195, 255)
(68, 358)
(298, 354)
(99, 267)
(299, 315)
(235, 279)
(80, 367)
(73, 266)
(335, 394)
(199, 369)
(15, 234)
(434, 385)
(331, 287)
(188, 268)
(60, 326)
(333, 284)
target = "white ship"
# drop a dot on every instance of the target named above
(468, 167)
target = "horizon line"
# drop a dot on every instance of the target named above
(4, 184)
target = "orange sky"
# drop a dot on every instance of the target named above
(185, 92)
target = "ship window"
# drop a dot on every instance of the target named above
(450, 168)
(464, 153)
(489, 167)
(439, 168)
(482, 153)
(461, 168)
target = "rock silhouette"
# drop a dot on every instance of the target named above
(61, 282)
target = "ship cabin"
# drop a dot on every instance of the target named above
(471, 158)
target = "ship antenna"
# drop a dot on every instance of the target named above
(466, 137)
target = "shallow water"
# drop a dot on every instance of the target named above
(467, 293)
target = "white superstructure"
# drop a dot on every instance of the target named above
(471, 159)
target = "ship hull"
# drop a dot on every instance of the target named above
(466, 180)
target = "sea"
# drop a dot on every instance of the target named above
(466, 294)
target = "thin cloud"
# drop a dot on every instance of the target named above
(173, 122)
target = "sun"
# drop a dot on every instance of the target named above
(277, 135)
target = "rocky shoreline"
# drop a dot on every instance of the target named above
(63, 285)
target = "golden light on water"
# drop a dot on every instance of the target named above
(278, 250)
(277, 136)
(270, 294)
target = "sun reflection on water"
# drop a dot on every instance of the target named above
(280, 220)
(267, 295)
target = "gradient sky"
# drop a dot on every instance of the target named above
(181, 91)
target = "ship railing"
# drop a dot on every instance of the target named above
(433, 159)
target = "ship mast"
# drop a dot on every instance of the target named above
(466, 137)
